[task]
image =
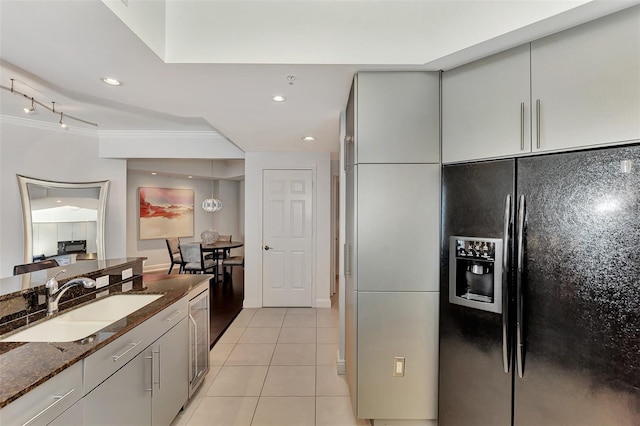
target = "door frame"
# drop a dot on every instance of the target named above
(314, 230)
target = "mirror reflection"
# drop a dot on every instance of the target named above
(63, 220)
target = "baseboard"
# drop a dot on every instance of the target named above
(392, 422)
(341, 364)
(251, 303)
(323, 303)
(158, 267)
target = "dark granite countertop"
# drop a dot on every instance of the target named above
(23, 366)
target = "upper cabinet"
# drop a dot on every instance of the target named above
(574, 89)
(486, 108)
(585, 84)
(397, 117)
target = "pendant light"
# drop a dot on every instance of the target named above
(212, 204)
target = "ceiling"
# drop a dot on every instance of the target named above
(214, 65)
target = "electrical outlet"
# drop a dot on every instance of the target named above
(398, 366)
(102, 281)
(127, 273)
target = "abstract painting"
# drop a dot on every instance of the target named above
(165, 213)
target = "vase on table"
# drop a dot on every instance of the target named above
(209, 236)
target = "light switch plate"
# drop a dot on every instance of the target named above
(398, 366)
(127, 286)
(102, 281)
(127, 273)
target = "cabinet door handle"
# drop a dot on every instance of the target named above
(131, 346)
(151, 359)
(53, 404)
(159, 369)
(174, 316)
(195, 346)
(538, 123)
(506, 249)
(347, 259)
(522, 214)
(521, 126)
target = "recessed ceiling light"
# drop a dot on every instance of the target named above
(58, 201)
(308, 139)
(278, 98)
(190, 177)
(111, 81)
(154, 173)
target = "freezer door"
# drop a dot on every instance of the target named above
(581, 296)
(474, 388)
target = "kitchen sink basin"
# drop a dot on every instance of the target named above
(84, 321)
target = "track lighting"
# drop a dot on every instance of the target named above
(31, 109)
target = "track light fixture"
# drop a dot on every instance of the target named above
(34, 101)
(31, 109)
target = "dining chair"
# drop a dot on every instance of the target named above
(36, 266)
(220, 254)
(173, 246)
(231, 262)
(194, 260)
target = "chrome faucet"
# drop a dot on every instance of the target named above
(54, 293)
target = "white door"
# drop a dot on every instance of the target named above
(287, 237)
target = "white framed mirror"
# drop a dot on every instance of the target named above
(63, 220)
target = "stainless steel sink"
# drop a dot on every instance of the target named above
(84, 321)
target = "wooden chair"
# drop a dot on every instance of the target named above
(36, 266)
(194, 261)
(173, 246)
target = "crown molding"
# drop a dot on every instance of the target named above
(44, 125)
(115, 134)
(162, 134)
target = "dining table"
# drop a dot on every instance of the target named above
(220, 247)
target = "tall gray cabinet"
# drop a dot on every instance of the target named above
(392, 169)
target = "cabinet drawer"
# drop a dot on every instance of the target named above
(44, 403)
(102, 364)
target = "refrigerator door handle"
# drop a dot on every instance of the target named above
(519, 296)
(506, 347)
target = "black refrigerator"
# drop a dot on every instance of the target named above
(540, 290)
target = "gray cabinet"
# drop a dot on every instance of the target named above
(398, 227)
(585, 84)
(43, 404)
(574, 89)
(392, 199)
(397, 117)
(404, 325)
(170, 387)
(74, 416)
(149, 389)
(486, 108)
(124, 398)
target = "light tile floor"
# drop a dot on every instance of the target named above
(276, 367)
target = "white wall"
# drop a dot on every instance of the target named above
(226, 221)
(230, 216)
(255, 163)
(48, 152)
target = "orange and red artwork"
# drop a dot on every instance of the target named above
(165, 213)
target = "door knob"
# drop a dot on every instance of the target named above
(267, 247)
